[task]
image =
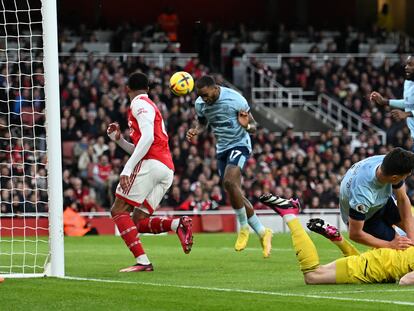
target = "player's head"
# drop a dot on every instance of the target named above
(397, 165)
(207, 89)
(409, 68)
(138, 82)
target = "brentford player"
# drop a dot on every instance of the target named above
(146, 177)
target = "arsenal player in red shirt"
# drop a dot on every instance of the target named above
(146, 177)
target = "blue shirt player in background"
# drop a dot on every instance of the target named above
(227, 114)
(366, 201)
(405, 105)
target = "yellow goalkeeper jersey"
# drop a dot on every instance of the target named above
(381, 265)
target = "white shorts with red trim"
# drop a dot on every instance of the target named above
(149, 182)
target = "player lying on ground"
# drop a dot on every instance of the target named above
(381, 265)
(146, 177)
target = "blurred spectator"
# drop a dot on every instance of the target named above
(101, 174)
(78, 48)
(168, 21)
(74, 224)
(385, 19)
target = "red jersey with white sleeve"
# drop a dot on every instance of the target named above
(147, 132)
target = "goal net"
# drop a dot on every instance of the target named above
(31, 236)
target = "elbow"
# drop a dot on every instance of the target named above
(355, 236)
(352, 235)
(150, 141)
(147, 142)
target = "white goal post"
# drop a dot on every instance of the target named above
(31, 199)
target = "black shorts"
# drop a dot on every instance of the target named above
(237, 156)
(380, 224)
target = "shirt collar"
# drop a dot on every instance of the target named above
(141, 95)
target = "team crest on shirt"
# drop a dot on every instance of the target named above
(361, 208)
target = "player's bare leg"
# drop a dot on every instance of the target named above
(120, 213)
(244, 211)
(266, 236)
(120, 206)
(325, 274)
(232, 185)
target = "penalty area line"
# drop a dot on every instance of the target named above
(243, 291)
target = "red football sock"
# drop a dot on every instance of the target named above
(129, 232)
(154, 225)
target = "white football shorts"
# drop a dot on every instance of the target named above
(149, 182)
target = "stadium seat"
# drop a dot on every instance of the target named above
(211, 223)
(89, 46)
(155, 46)
(67, 151)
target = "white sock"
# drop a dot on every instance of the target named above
(143, 259)
(289, 217)
(241, 217)
(256, 225)
(174, 224)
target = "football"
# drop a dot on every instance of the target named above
(181, 83)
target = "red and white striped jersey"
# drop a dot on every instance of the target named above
(144, 115)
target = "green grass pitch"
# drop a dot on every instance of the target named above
(212, 277)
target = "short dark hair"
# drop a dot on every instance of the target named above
(205, 81)
(138, 81)
(398, 162)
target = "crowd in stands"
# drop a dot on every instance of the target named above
(93, 95)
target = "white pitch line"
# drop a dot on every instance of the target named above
(245, 291)
(251, 249)
(273, 249)
(363, 291)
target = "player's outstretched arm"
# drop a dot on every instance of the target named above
(407, 279)
(357, 234)
(377, 98)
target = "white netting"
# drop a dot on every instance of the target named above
(23, 177)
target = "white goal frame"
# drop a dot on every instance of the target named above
(54, 153)
(55, 266)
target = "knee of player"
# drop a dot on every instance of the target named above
(114, 211)
(118, 208)
(229, 184)
(310, 278)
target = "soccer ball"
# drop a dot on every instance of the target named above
(181, 83)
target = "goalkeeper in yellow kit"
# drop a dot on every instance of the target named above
(381, 265)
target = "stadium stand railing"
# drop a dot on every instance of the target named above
(267, 91)
(160, 59)
(157, 47)
(275, 60)
(353, 122)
